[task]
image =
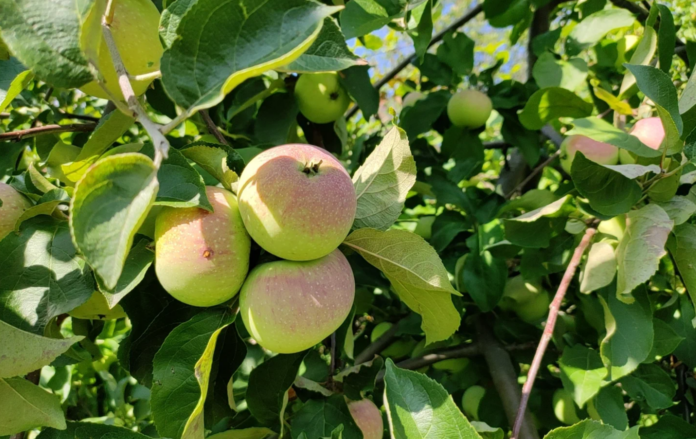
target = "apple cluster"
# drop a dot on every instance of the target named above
(298, 203)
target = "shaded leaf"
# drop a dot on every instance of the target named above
(551, 103)
(24, 406)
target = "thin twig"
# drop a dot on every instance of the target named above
(212, 128)
(333, 353)
(378, 345)
(48, 129)
(532, 174)
(548, 328)
(272, 87)
(78, 117)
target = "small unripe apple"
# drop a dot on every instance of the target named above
(135, 29)
(535, 309)
(472, 400)
(424, 227)
(290, 306)
(97, 308)
(320, 97)
(526, 298)
(368, 418)
(564, 407)
(650, 131)
(469, 108)
(13, 205)
(615, 227)
(598, 152)
(297, 201)
(399, 348)
(201, 257)
(411, 99)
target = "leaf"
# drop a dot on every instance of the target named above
(666, 340)
(679, 209)
(90, 430)
(551, 72)
(39, 209)
(667, 38)
(602, 131)
(110, 203)
(416, 274)
(642, 247)
(682, 246)
(668, 426)
(651, 385)
(420, 117)
(418, 406)
(534, 229)
(318, 418)
(220, 161)
(14, 78)
(446, 227)
(289, 28)
(484, 277)
(634, 171)
(582, 373)
(267, 394)
(551, 103)
(181, 373)
(23, 352)
(329, 53)
(24, 406)
(356, 81)
(594, 27)
(383, 181)
(599, 269)
(643, 55)
(589, 429)
(364, 16)
(614, 103)
(609, 404)
(45, 37)
(245, 433)
(171, 17)
(457, 51)
(609, 192)
(41, 275)
(138, 261)
(360, 378)
(423, 32)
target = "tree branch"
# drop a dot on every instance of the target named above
(378, 345)
(48, 129)
(532, 174)
(212, 128)
(548, 330)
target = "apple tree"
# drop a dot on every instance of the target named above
(351, 219)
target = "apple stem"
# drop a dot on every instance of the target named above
(212, 128)
(554, 308)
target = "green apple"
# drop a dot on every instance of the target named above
(290, 306)
(97, 308)
(650, 131)
(411, 99)
(472, 400)
(469, 108)
(535, 309)
(368, 417)
(320, 97)
(297, 201)
(564, 407)
(400, 348)
(201, 257)
(424, 227)
(666, 188)
(526, 298)
(12, 207)
(624, 49)
(598, 152)
(135, 29)
(615, 227)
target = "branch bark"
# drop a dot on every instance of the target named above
(48, 129)
(212, 128)
(378, 345)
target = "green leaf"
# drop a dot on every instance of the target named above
(23, 352)
(423, 32)
(416, 274)
(14, 78)
(90, 430)
(356, 81)
(625, 322)
(383, 181)
(599, 269)
(589, 429)
(329, 53)
(318, 418)
(24, 406)
(446, 227)
(267, 394)
(245, 433)
(594, 27)
(138, 261)
(110, 203)
(666, 340)
(602, 131)
(551, 103)
(582, 373)
(651, 385)
(679, 209)
(204, 34)
(361, 17)
(220, 161)
(41, 275)
(614, 103)
(551, 72)
(668, 426)
(418, 406)
(360, 378)
(667, 38)
(609, 192)
(457, 51)
(682, 246)
(420, 117)
(171, 17)
(182, 371)
(642, 247)
(643, 55)
(45, 37)
(609, 404)
(484, 277)
(534, 229)
(46, 208)
(502, 13)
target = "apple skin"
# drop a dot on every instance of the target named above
(290, 306)
(469, 108)
(136, 31)
(13, 205)
(598, 152)
(400, 348)
(97, 308)
(411, 99)
(297, 201)
(320, 97)
(424, 227)
(368, 417)
(201, 257)
(471, 400)
(564, 407)
(526, 298)
(534, 309)
(650, 131)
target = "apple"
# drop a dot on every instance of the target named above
(297, 201)
(526, 298)
(424, 227)
(13, 205)
(535, 309)
(411, 99)
(290, 306)
(650, 131)
(615, 227)
(564, 407)
(135, 29)
(598, 152)
(368, 417)
(320, 97)
(201, 257)
(400, 348)
(469, 108)
(97, 308)
(471, 401)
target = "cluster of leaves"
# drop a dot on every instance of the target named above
(446, 218)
